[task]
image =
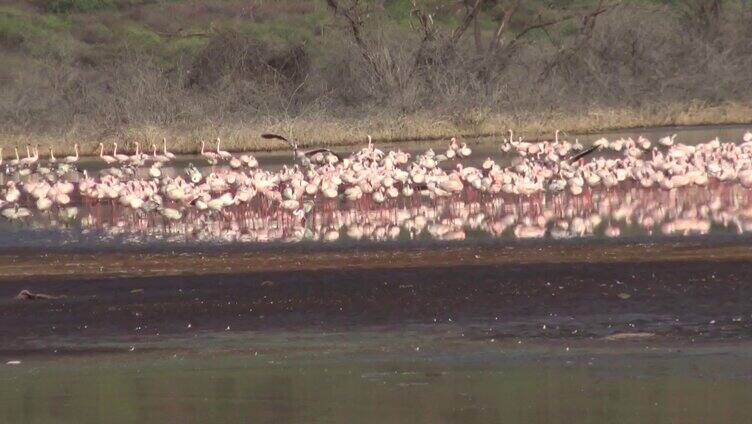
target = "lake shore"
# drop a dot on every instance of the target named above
(170, 261)
(689, 295)
(383, 127)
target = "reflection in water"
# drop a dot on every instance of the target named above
(627, 211)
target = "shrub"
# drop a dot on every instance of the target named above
(39, 36)
(231, 54)
(67, 6)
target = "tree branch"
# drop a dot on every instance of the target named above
(587, 19)
(588, 24)
(350, 15)
(469, 17)
(477, 36)
(496, 40)
(425, 20)
(180, 33)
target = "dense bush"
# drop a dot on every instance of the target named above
(230, 54)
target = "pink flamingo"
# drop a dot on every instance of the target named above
(109, 160)
(69, 159)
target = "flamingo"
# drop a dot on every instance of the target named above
(223, 154)
(29, 159)
(136, 158)
(70, 159)
(157, 157)
(667, 140)
(164, 149)
(17, 160)
(581, 188)
(109, 160)
(210, 156)
(121, 158)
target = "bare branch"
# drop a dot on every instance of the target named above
(587, 19)
(469, 17)
(477, 36)
(182, 34)
(503, 25)
(588, 24)
(351, 16)
(425, 21)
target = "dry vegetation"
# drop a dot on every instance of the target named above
(100, 70)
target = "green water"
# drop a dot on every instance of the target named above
(386, 382)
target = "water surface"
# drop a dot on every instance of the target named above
(404, 381)
(629, 305)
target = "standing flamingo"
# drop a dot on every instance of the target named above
(223, 154)
(119, 157)
(70, 159)
(109, 160)
(164, 148)
(210, 156)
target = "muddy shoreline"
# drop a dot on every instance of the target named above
(681, 294)
(26, 264)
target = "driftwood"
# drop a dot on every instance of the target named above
(27, 295)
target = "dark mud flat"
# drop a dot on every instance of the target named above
(121, 262)
(681, 292)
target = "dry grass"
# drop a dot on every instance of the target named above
(319, 131)
(113, 76)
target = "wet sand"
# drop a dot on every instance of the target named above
(678, 292)
(125, 262)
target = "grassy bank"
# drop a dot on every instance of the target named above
(321, 131)
(91, 71)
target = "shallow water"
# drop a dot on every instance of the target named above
(403, 379)
(628, 212)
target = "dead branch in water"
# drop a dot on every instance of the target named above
(27, 295)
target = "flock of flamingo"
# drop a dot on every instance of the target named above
(551, 188)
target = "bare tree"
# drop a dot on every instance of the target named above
(351, 13)
(501, 43)
(505, 38)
